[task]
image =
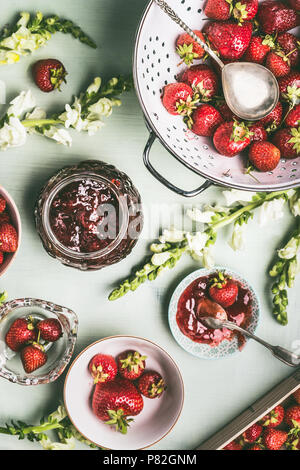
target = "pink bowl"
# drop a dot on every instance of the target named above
(16, 222)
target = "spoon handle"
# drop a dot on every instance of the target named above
(287, 357)
(171, 13)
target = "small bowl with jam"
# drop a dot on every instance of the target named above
(219, 287)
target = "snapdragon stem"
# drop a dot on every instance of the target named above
(33, 429)
(41, 122)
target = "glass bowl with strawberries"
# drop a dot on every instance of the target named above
(89, 215)
(10, 230)
(212, 292)
(37, 340)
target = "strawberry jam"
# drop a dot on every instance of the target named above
(240, 313)
(78, 218)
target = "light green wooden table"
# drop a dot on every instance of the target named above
(215, 391)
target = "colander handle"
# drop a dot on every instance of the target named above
(163, 180)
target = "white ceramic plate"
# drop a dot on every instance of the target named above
(205, 351)
(158, 416)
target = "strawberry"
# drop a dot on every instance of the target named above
(225, 111)
(292, 416)
(293, 442)
(264, 155)
(103, 368)
(218, 9)
(229, 39)
(258, 132)
(276, 17)
(231, 138)
(245, 10)
(8, 238)
(274, 418)
(2, 204)
(274, 439)
(278, 63)
(289, 87)
(151, 384)
(295, 4)
(1, 257)
(256, 447)
(288, 142)
(33, 357)
(49, 74)
(188, 49)
(297, 396)
(205, 119)
(131, 364)
(234, 445)
(20, 332)
(4, 217)
(273, 119)
(178, 99)
(203, 80)
(290, 45)
(50, 330)
(258, 49)
(114, 401)
(253, 433)
(293, 118)
(223, 290)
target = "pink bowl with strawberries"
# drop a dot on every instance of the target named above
(14, 219)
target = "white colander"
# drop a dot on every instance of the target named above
(155, 65)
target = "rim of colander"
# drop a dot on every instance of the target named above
(151, 124)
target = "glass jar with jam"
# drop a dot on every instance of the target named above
(89, 215)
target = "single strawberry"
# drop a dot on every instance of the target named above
(276, 17)
(256, 447)
(290, 45)
(258, 132)
(33, 357)
(218, 9)
(205, 120)
(278, 63)
(253, 433)
(231, 138)
(297, 396)
(258, 49)
(289, 87)
(8, 238)
(103, 368)
(293, 442)
(131, 364)
(295, 4)
(245, 10)
(223, 290)
(114, 401)
(273, 119)
(274, 418)
(275, 438)
(228, 38)
(292, 416)
(178, 99)
(49, 74)
(188, 49)
(288, 141)
(293, 118)
(20, 332)
(264, 156)
(151, 384)
(1, 257)
(203, 80)
(225, 111)
(4, 218)
(50, 330)
(234, 445)
(2, 204)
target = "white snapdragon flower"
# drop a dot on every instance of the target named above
(200, 216)
(160, 258)
(95, 86)
(103, 107)
(92, 127)
(172, 236)
(271, 210)
(237, 241)
(12, 134)
(61, 136)
(197, 242)
(294, 203)
(21, 103)
(237, 196)
(208, 259)
(290, 250)
(47, 444)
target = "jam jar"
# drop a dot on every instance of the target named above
(89, 215)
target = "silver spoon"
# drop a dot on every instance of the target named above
(288, 357)
(239, 79)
